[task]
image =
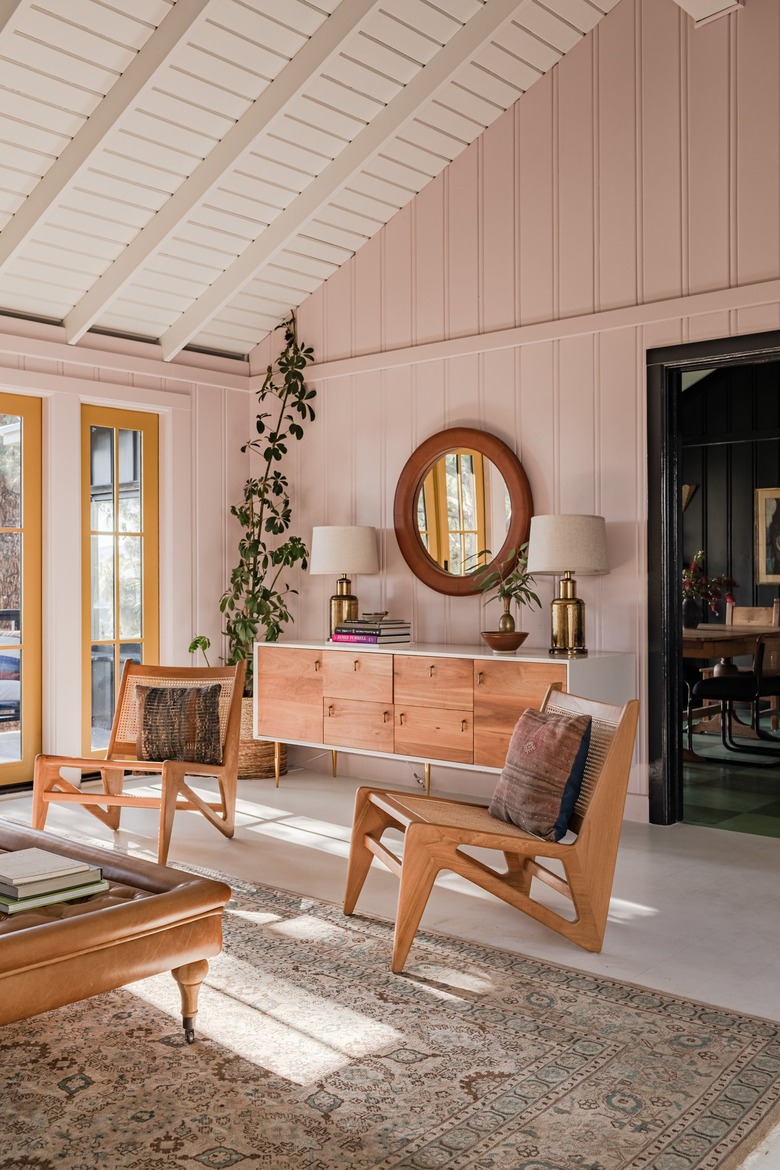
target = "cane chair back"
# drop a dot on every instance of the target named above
(436, 830)
(124, 731)
(176, 790)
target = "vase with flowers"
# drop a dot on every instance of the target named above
(698, 588)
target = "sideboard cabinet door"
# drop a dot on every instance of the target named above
(502, 691)
(288, 693)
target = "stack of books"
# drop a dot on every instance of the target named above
(36, 877)
(373, 631)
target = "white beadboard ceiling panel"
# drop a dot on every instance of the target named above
(187, 171)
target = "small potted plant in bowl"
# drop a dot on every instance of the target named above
(508, 580)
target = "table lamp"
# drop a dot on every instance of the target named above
(562, 546)
(343, 550)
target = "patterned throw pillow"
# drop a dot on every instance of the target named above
(541, 779)
(179, 723)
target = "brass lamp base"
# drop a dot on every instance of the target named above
(343, 604)
(567, 619)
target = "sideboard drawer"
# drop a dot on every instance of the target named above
(352, 675)
(351, 723)
(434, 733)
(433, 682)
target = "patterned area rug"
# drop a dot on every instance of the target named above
(311, 1054)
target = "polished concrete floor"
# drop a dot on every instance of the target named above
(695, 910)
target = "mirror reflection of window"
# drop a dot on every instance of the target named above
(451, 511)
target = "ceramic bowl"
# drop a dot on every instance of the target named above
(497, 640)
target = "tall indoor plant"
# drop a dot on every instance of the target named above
(255, 603)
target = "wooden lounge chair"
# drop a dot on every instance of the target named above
(436, 830)
(49, 786)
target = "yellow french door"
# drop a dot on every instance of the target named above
(20, 586)
(119, 556)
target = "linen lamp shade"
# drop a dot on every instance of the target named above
(343, 549)
(562, 545)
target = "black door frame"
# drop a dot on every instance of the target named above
(665, 367)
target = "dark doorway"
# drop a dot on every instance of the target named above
(739, 423)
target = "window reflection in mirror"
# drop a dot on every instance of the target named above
(463, 511)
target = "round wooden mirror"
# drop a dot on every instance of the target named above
(463, 501)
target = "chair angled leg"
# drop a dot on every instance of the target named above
(418, 873)
(172, 782)
(369, 821)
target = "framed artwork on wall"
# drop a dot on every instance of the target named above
(767, 530)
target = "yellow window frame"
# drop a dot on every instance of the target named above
(29, 410)
(148, 424)
(434, 490)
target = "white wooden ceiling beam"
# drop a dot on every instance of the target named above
(11, 13)
(467, 41)
(76, 156)
(310, 59)
(703, 11)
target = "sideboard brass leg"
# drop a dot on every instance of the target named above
(427, 775)
(334, 759)
(277, 761)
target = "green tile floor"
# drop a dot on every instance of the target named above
(724, 795)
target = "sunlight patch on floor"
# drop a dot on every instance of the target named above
(622, 911)
(303, 834)
(309, 928)
(279, 1027)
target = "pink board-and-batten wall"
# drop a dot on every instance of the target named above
(628, 200)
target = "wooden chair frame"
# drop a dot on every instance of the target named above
(50, 786)
(436, 830)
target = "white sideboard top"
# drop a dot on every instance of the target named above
(448, 650)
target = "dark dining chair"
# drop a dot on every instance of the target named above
(752, 687)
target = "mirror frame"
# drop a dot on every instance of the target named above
(405, 506)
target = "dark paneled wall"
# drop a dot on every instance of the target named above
(730, 434)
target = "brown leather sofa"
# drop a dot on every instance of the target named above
(152, 919)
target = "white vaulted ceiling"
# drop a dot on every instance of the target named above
(189, 171)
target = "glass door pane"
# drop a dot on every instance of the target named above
(20, 586)
(121, 557)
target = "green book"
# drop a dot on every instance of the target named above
(17, 905)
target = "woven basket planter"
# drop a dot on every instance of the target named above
(255, 756)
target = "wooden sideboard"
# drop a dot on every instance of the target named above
(438, 704)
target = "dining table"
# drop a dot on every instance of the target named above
(716, 640)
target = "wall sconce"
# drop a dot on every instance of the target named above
(562, 546)
(343, 550)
